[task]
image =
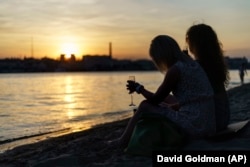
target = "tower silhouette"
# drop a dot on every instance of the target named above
(110, 50)
(32, 48)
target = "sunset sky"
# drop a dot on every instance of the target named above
(87, 26)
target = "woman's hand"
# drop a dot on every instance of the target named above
(132, 86)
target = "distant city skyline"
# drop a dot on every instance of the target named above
(54, 27)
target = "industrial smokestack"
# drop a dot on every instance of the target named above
(110, 50)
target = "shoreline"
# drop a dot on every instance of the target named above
(10, 144)
(25, 140)
(88, 147)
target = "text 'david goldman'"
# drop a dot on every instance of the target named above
(201, 158)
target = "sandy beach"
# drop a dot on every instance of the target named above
(88, 148)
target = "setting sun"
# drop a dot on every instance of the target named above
(69, 48)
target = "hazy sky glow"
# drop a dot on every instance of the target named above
(87, 26)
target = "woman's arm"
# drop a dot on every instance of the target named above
(170, 80)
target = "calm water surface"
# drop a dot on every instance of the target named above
(38, 103)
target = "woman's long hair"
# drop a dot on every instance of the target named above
(204, 43)
(165, 52)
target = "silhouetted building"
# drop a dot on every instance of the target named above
(235, 63)
(72, 58)
(62, 57)
(97, 63)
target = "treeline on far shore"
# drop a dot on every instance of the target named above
(89, 63)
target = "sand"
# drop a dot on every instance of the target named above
(89, 148)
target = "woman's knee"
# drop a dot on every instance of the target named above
(145, 106)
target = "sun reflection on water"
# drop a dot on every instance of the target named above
(69, 97)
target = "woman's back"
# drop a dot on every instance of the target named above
(221, 101)
(194, 93)
(204, 44)
(193, 84)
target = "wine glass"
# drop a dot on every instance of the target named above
(131, 78)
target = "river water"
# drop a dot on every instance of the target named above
(40, 103)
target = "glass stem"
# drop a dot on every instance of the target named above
(132, 99)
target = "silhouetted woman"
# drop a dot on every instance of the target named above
(189, 84)
(204, 45)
